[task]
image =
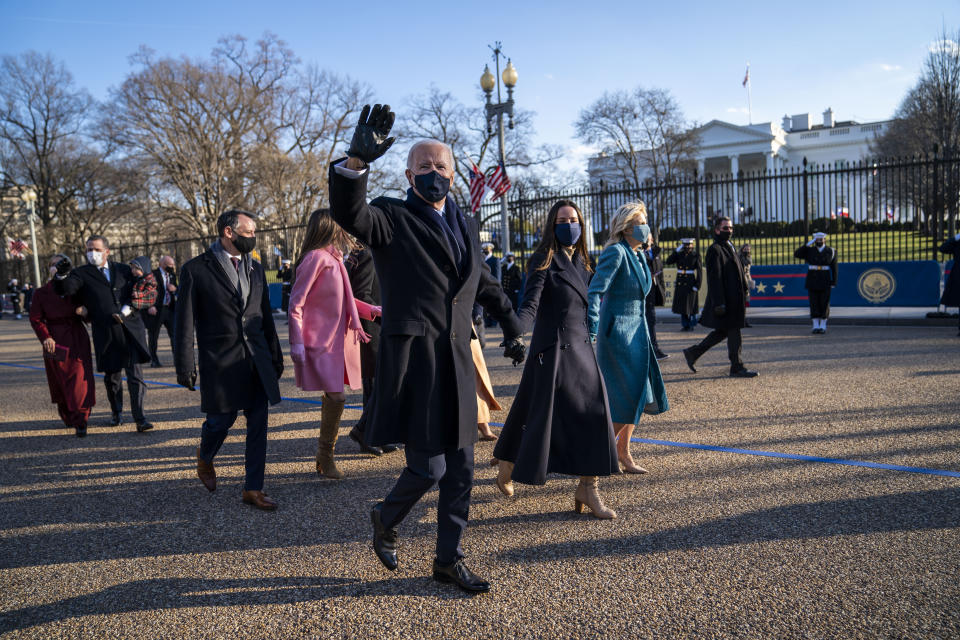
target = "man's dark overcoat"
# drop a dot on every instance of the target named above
(726, 285)
(560, 419)
(951, 292)
(424, 394)
(115, 344)
(658, 292)
(234, 342)
(686, 301)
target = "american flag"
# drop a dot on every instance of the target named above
(498, 181)
(746, 78)
(17, 248)
(478, 188)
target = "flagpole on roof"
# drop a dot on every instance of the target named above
(746, 83)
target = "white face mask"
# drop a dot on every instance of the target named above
(95, 258)
(53, 271)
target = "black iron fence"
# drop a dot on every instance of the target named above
(873, 211)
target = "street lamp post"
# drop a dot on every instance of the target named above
(498, 109)
(30, 197)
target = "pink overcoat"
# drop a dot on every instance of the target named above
(324, 317)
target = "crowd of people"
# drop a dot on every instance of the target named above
(393, 297)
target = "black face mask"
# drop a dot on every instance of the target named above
(432, 186)
(819, 243)
(243, 243)
(170, 270)
(724, 236)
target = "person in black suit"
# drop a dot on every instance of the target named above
(161, 313)
(223, 301)
(285, 276)
(512, 280)
(725, 310)
(426, 253)
(656, 297)
(105, 289)
(821, 277)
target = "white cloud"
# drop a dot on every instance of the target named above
(737, 110)
(945, 46)
(548, 76)
(890, 67)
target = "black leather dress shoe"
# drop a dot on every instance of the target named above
(458, 574)
(81, 430)
(384, 540)
(144, 426)
(690, 360)
(661, 355)
(357, 437)
(389, 448)
(115, 420)
(743, 373)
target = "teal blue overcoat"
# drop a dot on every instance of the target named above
(615, 315)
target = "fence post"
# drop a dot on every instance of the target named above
(806, 204)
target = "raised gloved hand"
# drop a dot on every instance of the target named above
(720, 310)
(514, 349)
(298, 353)
(188, 380)
(370, 139)
(477, 319)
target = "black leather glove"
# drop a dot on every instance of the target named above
(370, 139)
(514, 349)
(188, 380)
(720, 310)
(63, 267)
(477, 319)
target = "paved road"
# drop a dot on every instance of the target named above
(113, 535)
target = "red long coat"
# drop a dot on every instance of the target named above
(71, 382)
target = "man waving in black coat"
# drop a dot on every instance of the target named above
(224, 302)
(426, 253)
(725, 310)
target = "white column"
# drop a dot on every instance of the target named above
(734, 170)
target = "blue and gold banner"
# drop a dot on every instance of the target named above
(914, 283)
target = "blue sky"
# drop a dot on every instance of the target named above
(856, 57)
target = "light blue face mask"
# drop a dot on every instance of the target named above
(641, 232)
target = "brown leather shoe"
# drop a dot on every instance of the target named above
(206, 473)
(259, 499)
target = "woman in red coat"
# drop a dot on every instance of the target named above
(66, 350)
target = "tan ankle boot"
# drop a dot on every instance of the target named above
(588, 493)
(504, 483)
(330, 414)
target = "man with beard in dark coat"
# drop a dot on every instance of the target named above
(686, 296)
(821, 277)
(951, 292)
(426, 253)
(105, 289)
(725, 310)
(224, 301)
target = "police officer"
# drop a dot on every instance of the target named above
(686, 296)
(821, 277)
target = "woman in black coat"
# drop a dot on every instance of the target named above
(560, 419)
(951, 292)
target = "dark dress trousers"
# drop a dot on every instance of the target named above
(118, 347)
(239, 354)
(366, 287)
(430, 273)
(727, 286)
(686, 293)
(821, 277)
(165, 305)
(560, 419)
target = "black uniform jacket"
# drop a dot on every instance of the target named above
(425, 393)
(234, 343)
(951, 292)
(114, 343)
(685, 299)
(819, 279)
(726, 285)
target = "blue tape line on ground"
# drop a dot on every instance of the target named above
(664, 443)
(157, 383)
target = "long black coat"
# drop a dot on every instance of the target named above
(658, 292)
(234, 343)
(425, 393)
(819, 279)
(366, 287)
(560, 418)
(726, 285)
(951, 292)
(686, 292)
(115, 344)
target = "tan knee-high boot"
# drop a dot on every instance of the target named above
(504, 483)
(330, 414)
(588, 493)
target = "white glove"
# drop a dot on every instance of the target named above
(126, 310)
(298, 353)
(810, 244)
(695, 289)
(679, 248)
(957, 237)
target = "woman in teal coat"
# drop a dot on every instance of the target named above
(616, 320)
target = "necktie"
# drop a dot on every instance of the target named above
(166, 292)
(236, 263)
(106, 273)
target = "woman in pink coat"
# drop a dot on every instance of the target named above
(325, 331)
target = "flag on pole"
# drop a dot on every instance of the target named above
(498, 181)
(17, 248)
(746, 77)
(478, 187)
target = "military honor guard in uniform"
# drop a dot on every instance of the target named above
(951, 292)
(821, 278)
(686, 292)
